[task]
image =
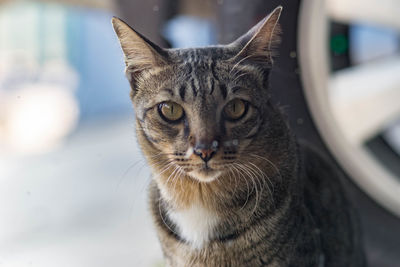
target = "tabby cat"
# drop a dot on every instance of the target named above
(231, 185)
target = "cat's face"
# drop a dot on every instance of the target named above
(200, 112)
(201, 115)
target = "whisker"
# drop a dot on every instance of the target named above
(239, 167)
(268, 161)
(123, 175)
(264, 175)
(171, 174)
(234, 176)
(162, 217)
(257, 199)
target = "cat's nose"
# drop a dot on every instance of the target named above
(205, 151)
(204, 154)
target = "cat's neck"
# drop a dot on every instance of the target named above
(199, 213)
(197, 227)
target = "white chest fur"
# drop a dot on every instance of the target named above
(195, 224)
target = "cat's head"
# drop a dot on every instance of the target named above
(202, 112)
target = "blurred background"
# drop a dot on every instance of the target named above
(72, 179)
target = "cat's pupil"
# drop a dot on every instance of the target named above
(170, 111)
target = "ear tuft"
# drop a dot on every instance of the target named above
(259, 43)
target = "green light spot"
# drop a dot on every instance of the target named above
(339, 44)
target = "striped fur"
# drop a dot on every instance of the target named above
(261, 200)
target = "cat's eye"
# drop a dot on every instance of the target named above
(235, 109)
(170, 111)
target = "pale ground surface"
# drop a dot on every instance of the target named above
(83, 205)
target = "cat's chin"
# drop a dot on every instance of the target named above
(205, 175)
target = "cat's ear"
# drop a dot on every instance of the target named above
(140, 54)
(259, 42)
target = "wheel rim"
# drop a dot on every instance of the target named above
(379, 183)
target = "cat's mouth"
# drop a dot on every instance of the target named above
(205, 174)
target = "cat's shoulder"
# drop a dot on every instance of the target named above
(323, 178)
(315, 161)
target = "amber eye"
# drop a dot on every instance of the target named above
(235, 109)
(170, 111)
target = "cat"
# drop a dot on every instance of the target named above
(231, 184)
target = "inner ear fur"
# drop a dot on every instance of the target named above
(259, 43)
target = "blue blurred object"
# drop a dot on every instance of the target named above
(95, 53)
(188, 31)
(370, 42)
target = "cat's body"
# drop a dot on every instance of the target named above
(310, 223)
(231, 185)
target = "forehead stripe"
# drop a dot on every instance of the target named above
(211, 86)
(212, 67)
(190, 68)
(182, 92)
(222, 87)
(193, 87)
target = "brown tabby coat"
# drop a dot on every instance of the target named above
(259, 198)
